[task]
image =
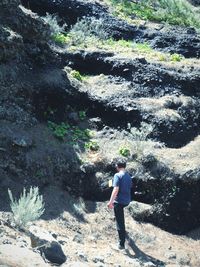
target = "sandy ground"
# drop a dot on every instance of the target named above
(87, 234)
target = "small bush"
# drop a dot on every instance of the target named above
(82, 114)
(87, 30)
(29, 207)
(92, 145)
(124, 151)
(141, 138)
(52, 21)
(76, 75)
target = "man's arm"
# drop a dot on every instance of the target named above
(113, 197)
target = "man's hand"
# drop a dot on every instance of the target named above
(113, 197)
(110, 205)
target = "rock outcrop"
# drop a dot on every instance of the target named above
(47, 245)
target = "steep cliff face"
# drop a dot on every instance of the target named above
(103, 111)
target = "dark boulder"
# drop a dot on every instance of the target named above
(175, 40)
(195, 2)
(49, 248)
(53, 253)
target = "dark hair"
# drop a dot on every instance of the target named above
(121, 164)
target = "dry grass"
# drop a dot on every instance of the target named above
(182, 159)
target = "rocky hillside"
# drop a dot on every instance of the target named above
(84, 83)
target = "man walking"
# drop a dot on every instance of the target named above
(120, 198)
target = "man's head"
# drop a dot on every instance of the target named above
(121, 164)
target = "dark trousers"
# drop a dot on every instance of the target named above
(120, 222)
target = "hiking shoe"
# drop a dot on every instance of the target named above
(118, 247)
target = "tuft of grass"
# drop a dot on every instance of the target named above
(61, 38)
(176, 57)
(143, 47)
(125, 152)
(76, 75)
(162, 57)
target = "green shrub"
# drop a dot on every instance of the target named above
(80, 134)
(59, 130)
(92, 145)
(29, 207)
(124, 151)
(72, 133)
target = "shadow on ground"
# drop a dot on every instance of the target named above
(143, 257)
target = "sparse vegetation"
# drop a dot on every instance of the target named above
(125, 47)
(141, 139)
(89, 33)
(176, 12)
(29, 207)
(70, 133)
(80, 134)
(144, 47)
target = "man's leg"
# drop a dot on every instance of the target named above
(119, 215)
